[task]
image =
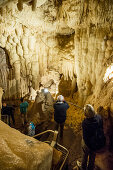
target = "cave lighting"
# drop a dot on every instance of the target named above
(108, 74)
(46, 90)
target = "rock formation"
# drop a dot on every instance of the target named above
(73, 38)
(63, 45)
(42, 108)
(18, 151)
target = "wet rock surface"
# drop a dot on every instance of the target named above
(18, 151)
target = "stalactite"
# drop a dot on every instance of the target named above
(34, 2)
(20, 5)
(28, 42)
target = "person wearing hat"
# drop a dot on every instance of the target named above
(60, 108)
(93, 137)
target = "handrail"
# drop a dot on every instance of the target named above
(52, 144)
(43, 133)
(65, 156)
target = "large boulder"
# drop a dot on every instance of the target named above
(18, 151)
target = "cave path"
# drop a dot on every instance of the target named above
(72, 141)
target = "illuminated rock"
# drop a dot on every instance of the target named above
(70, 38)
(42, 108)
(18, 151)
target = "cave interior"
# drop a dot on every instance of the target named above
(66, 47)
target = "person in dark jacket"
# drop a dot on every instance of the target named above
(60, 108)
(91, 126)
(8, 110)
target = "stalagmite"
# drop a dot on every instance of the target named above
(64, 46)
(79, 42)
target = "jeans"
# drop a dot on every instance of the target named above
(61, 125)
(87, 164)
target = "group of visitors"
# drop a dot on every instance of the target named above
(8, 110)
(23, 110)
(92, 127)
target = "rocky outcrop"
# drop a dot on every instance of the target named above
(72, 38)
(18, 151)
(42, 109)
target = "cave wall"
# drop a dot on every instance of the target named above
(73, 38)
(1, 93)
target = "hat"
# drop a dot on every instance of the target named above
(89, 111)
(60, 98)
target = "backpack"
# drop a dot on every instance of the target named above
(32, 125)
(98, 140)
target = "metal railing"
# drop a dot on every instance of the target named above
(55, 145)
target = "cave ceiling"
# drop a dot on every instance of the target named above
(73, 38)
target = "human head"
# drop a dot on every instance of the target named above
(42, 90)
(60, 98)
(4, 104)
(89, 111)
(22, 99)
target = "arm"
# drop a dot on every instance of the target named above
(27, 104)
(66, 105)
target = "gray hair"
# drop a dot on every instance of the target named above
(89, 111)
(60, 98)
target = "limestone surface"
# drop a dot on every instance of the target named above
(73, 38)
(18, 151)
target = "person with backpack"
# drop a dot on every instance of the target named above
(31, 129)
(93, 137)
(23, 110)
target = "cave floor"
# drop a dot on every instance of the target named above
(72, 141)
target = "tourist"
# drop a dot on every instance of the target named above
(60, 108)
(93, 137)
(31, 129)
(8, 110)
(23, 110)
